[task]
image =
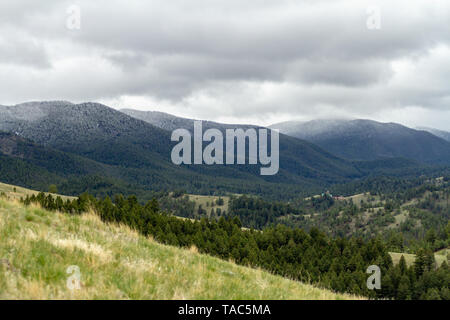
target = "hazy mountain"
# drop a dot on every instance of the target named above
(438, 133)
(370, 140)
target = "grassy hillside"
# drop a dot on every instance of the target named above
(206, 202)
(17, 192)
(37, 247)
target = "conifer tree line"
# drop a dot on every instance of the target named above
(338, 264)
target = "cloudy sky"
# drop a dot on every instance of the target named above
(252, 61)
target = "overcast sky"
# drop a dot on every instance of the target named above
(252, 61)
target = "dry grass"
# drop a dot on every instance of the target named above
(37, 247)
(410, 258)
(15, 192)
(204, 200)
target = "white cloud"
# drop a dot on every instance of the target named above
(235, 61)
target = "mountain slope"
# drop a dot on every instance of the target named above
(53, 160)
(89, 129)
(38, 246)
(370, 140)
(297, 157)
(28, 164)
(159, 119)
(438, 133)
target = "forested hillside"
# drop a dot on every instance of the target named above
(408, 214)
(370, 140)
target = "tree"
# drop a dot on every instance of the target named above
(419, 263)
(220, 201)
(431, 236)
(402, 265)
(447, 230)
(403, 291)
(429, 260)
(431, 294)
(53, 188)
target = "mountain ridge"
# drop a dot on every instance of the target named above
(363, 139)
(439, 133)
(133, 148)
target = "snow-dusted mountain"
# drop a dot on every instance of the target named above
(439, 133)
(136, 153)
(369, 140)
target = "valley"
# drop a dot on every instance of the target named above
(297, 255)
(225, 150)
(322, 219)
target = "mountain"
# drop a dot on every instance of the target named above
(438, 133)
(88, 129)
(170, 122)
(159, 119)
(295, 155)
(55, 161)
(370, 140)
(135, 154)
(28, 164)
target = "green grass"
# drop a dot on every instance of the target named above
(37, 247)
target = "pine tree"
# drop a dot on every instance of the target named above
(431, 294)
(53, 188)
(419, 263)
(402, 265)
(403, 291)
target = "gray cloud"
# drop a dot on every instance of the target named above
(232, 60)
(19, 49)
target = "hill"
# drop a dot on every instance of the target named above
(38, 246)
(16, 192)
(370, 140)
